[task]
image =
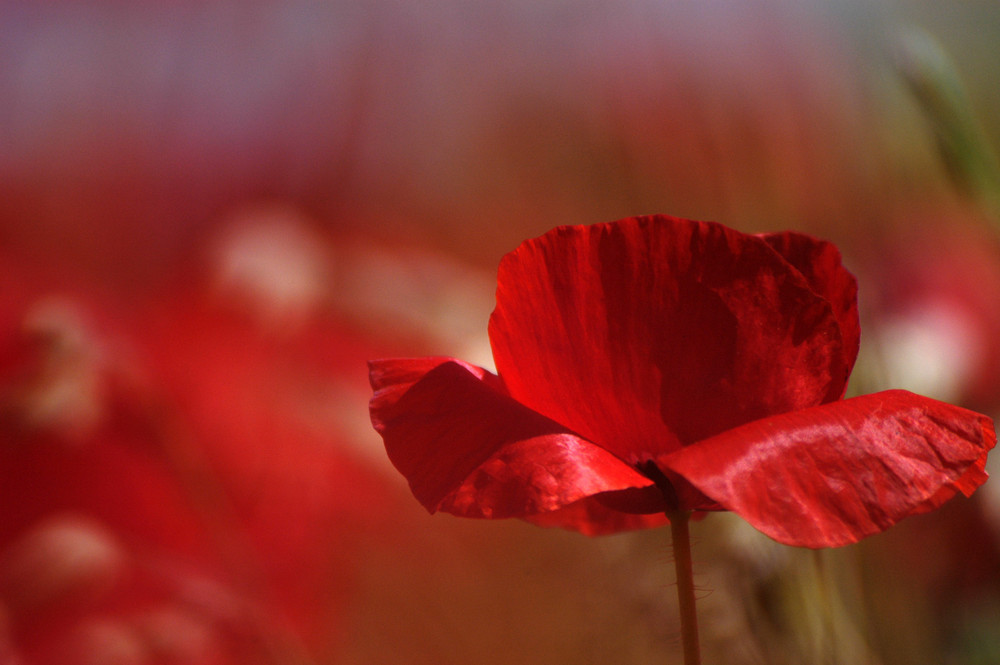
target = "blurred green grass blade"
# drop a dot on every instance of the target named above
(933, 79)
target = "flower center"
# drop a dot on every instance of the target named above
(653, 472)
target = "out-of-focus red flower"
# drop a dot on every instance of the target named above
(935, 309)
(658, 364)
(103, 557)
(181, 478)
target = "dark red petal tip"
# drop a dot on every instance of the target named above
(820, 263)
(469, 449)
(833, 474)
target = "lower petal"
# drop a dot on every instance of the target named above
(468, 448)
(830, 475)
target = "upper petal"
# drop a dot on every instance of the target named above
(650, 333)
(833, 474)
(469, 449)
(819, 262)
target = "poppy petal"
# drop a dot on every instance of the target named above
(833, 474)
(651, 333)
(819, 262)
(469, 449)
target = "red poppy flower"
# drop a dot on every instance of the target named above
(658, 364)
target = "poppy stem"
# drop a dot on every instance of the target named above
(685, 585)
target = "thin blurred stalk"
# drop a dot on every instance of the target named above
(933, 79)
(840, 639)
(828, 629)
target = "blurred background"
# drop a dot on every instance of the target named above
(212, 213)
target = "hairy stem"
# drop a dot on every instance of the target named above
(685, 585)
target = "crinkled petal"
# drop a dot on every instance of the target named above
(833, 474)
(469, 449)
(650, 333)
(970, 480)
(819, 262)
